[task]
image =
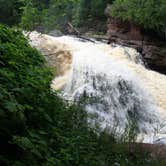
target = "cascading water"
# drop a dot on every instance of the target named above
(115, 85)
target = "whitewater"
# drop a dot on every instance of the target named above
(117, 88)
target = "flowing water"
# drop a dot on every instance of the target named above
(116, 87)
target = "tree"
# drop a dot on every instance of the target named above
(32, 18)
(61, 12)
(10, 11)
(52, 14)
(88, 11)
(149, 14)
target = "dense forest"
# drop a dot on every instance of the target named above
(48, 14)
(37, 127)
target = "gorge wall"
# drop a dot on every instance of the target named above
(152, 47)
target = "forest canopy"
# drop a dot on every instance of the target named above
(149, 14)
(50, 14)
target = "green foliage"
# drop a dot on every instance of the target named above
(61, 12)
(50, 14)
(31, 18)
(47, 15)
(150, 14)
(56, 13)
(93, 8)
(10, 11)
(34, 14)
(88, 11)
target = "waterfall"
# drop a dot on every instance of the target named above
(116, 87)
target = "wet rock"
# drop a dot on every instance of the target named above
(55, 33)
(152, 47)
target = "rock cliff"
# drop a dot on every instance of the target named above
(152, 47)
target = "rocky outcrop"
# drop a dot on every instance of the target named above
(155, 151)
(148, 44)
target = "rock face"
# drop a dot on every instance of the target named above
(148, 44)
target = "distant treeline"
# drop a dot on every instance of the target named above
(48, 14)
(30, 14)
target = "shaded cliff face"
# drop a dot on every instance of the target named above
(148, 44)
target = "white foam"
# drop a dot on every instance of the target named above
(119, 82)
